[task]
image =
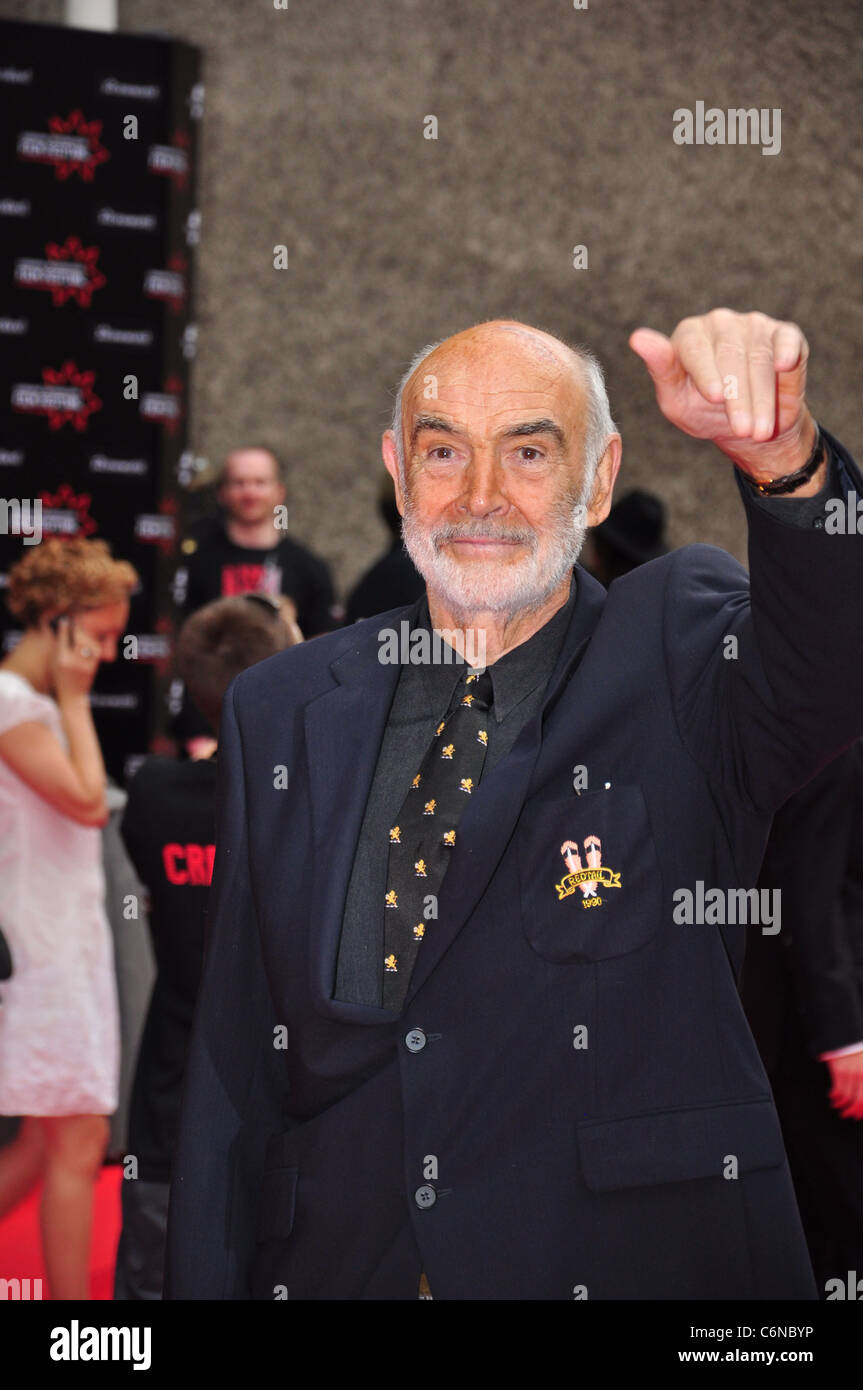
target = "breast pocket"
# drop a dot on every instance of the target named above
(589, 875)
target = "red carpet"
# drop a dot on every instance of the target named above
(20, 1245)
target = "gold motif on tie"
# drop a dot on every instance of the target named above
(417, 862)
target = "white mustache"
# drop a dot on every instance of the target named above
(473, 533)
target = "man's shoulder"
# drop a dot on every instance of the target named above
(302, 668)
(157, 773)
(301, 556)
(690, 569)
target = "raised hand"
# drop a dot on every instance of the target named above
(75, 661)
(738, 380)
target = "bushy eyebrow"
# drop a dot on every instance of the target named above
(543, 426)
(432, 422)
(526, 428)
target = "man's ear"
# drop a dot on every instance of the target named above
(391, 463)
(604, 479)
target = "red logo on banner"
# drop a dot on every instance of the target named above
(65, 500)
(65, 395)
(69, 375)
(74, 250)
(75, 124)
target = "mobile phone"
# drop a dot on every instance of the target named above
(54, 623)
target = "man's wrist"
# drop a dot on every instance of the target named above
(797, 478)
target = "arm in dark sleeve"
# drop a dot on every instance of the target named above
(233, 1087)
(139, 821)
(806, 859)
(852, 895)
(767, 678)
(804, 511)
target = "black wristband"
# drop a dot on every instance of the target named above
(790, 481)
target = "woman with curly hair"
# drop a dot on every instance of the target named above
(59, 1028)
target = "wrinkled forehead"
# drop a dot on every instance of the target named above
(496, 376)
(249, 462)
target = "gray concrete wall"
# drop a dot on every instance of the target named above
(555, 128)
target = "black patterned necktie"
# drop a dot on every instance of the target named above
(423, 836)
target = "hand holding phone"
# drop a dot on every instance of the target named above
(75, 659)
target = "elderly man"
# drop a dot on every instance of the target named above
(427, 1062)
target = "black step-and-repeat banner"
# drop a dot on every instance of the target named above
(98, 233)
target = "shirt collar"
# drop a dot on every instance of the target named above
(514, 675)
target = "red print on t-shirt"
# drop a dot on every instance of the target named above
(249, 579)
(191, 864)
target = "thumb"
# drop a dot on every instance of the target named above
(659, 356)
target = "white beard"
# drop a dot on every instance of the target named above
(496, 586)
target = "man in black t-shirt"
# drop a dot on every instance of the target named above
(248, 550)
(169, 830)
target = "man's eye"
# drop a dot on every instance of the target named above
(440, 450)
(529, 454)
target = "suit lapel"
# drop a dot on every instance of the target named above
(344, 728)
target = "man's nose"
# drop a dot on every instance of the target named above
(483, 491)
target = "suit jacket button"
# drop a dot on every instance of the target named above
(425, 1196)
(415, 1040)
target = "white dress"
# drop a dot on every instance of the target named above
(59, 1024)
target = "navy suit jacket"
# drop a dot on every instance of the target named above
(581, 1091)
